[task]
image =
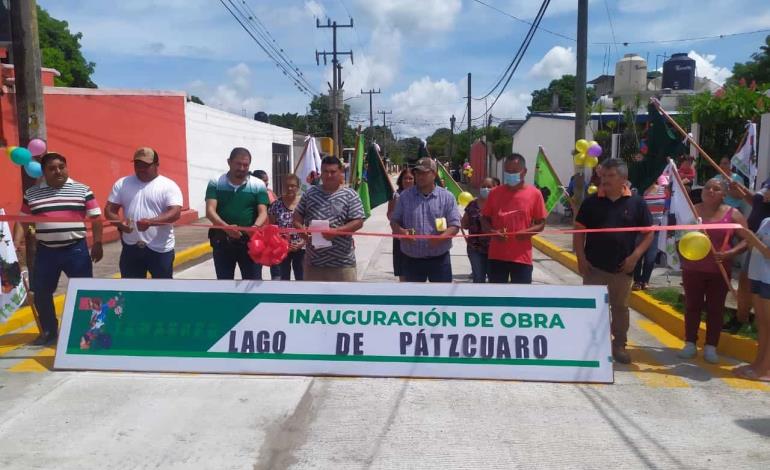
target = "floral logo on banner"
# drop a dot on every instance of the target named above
(12, 290)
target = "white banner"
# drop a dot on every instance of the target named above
(12, 291)
(362, 329)
(745, 160)
(310, 165)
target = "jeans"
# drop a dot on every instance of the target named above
(136, 261)
(479, 266)
(645, 265)
(703, 289)
(433, 269)
(504, 272)
(74, 260)
(618, 290)
(294, 260)
(227, 254)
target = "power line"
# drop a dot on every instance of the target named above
(612, 29)
(523, 50)
(523, 20)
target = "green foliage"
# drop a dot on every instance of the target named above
(565, 88)
(438, 143)
(60, 49)
(722, 117)
(756, 70)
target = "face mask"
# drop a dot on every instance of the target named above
(484, 192)
(511, 179)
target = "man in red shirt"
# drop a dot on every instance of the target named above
(513, 207)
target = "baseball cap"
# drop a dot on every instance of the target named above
(145, 154)
(425, 164)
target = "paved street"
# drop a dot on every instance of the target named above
(660, 413)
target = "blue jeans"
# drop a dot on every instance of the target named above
(136, 262)
(643, 269)
(479, 266)
(294, 260)
(227, 254)
(503, 272)
(74, 260)
(434, 269)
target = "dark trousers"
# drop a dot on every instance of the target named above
(136, 261)
(643, 269)
(74, 260)
(701, 290)
(433, 269)
(294, 260)
(479, 266)
(227, 254)
(503, 272)
(275, 272)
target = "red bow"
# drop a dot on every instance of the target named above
(267, 247)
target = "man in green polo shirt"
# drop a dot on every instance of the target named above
(235, 199)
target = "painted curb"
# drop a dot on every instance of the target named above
(23, 317)
(667, 317)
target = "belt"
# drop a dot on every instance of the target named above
(141, 245)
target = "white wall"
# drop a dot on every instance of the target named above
(212, 134)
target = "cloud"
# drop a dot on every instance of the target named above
(235, 95)
(705, 67)
(529, 8)
(414, 17)
(557, 62)
(315, 9)
(642, 6)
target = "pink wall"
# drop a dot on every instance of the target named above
(98, 131)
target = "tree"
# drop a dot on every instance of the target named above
(60, 50)
(756, 70)
(565, 88)
(438, 143)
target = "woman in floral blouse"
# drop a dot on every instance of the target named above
(281, 213)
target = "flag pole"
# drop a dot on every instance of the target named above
(743, 189)
(354, 160)
(695, 213)
(385, 172)
(302, 156)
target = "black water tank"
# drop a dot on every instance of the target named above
(261, 117)
(679, 72)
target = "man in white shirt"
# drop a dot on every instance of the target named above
(151, 203)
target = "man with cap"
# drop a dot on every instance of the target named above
(151, 203)
(426, 209)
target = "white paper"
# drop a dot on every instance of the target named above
(318, 239)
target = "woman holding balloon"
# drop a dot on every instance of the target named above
(705, 285)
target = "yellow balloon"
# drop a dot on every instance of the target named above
(694, 246)
(580, 159)
(592, 143)
(582, 146)
(10, 149)
(592, 189)
(591, 162)
(464, 198)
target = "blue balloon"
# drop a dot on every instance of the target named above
(33, 169)
(21, 156)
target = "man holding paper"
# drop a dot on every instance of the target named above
(513, 207)
(426, 209)
(330, 255)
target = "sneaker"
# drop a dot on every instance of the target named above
(710, 354)
(688, 351)
(621, 356)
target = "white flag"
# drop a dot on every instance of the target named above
(12, 291)
(745, 160)
(309, 165)
(678, 212)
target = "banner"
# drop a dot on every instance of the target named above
(678, 212)
(745, 159)
(12, 291)
(518, 332)
(451, 185)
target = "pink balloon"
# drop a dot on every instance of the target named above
(595, 150)
(36, 147)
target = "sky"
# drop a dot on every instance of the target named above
(417, 52)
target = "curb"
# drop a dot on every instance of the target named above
(667, 317)
(24, 315)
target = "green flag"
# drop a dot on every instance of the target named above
(379, 186)
(547, 182)
(662, 142)
(451, 184)
(360, 178)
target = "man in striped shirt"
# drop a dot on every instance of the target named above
(61, 246)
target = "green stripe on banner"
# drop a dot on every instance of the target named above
(352, 358)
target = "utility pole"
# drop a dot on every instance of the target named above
(335, 88)
(451, 136)
(580, 90)
(384, 128)
(470, 135)
(371, 114)
(28, 85)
